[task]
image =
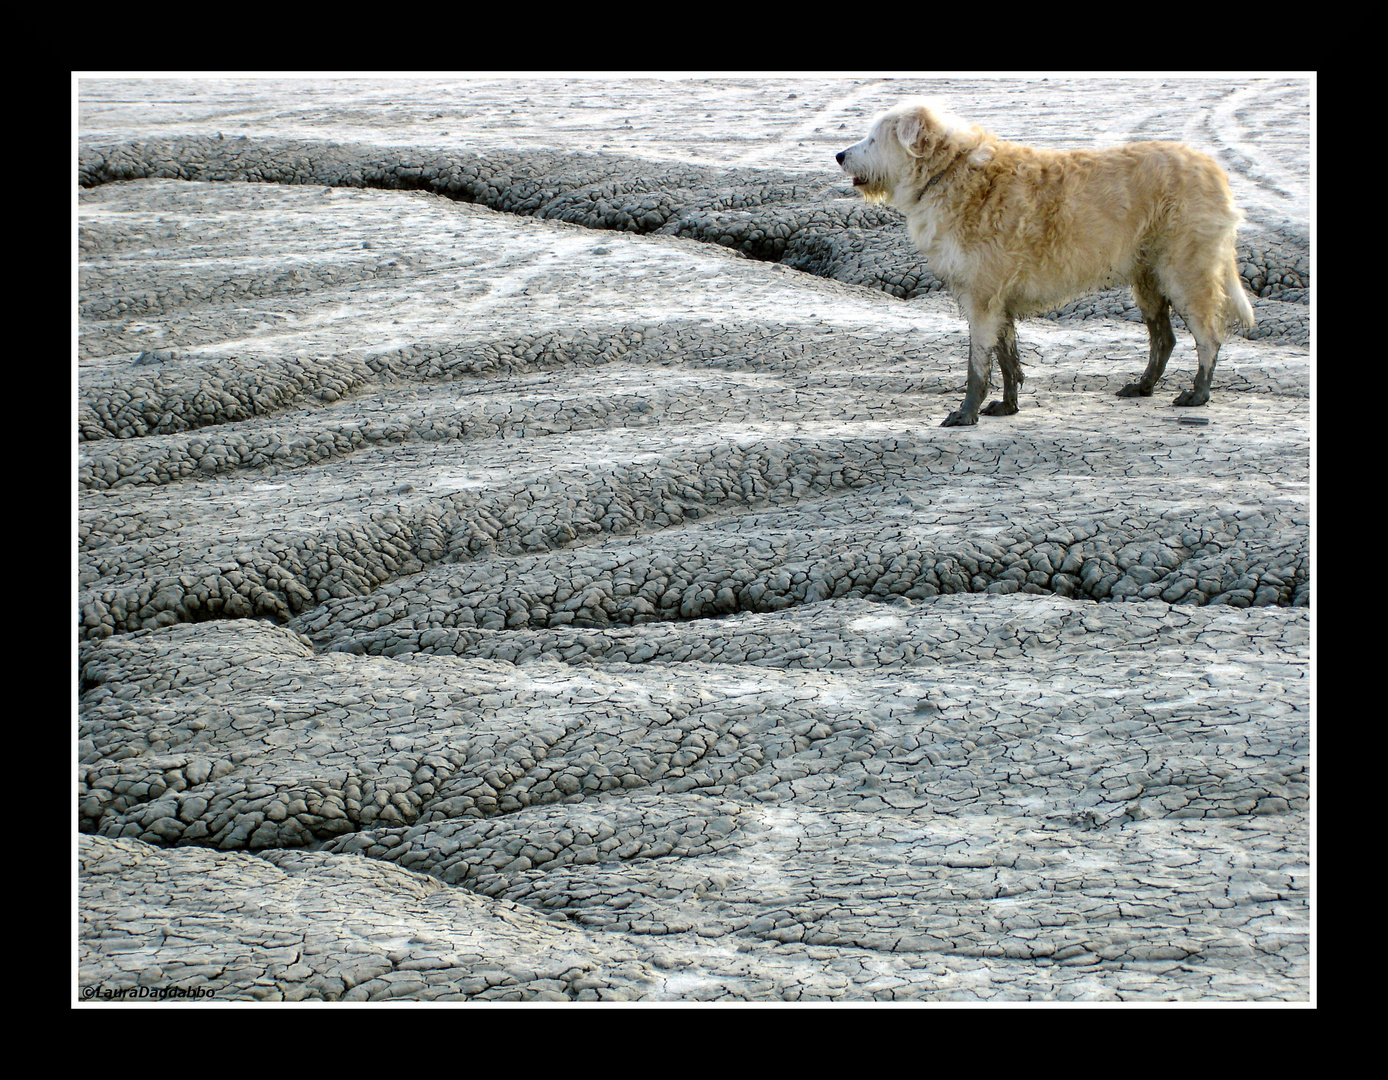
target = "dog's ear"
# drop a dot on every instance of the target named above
(915, 129)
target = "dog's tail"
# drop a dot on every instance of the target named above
(1238, 299)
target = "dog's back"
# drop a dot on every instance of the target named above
(1040, 227)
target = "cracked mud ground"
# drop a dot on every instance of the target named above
(519, 561)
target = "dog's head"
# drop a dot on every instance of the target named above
(905, 142)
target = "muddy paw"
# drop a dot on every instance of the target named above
(1134, 390)
(960, 418)
(1192, 397)
(999, 408)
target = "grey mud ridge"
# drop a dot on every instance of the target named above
(514, 569)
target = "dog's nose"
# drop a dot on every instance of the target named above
(839, 156)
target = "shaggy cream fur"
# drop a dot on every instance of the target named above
(1014, 230)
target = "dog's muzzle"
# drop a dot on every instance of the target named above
(857, 180)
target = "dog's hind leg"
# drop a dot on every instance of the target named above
(1205, 316)
(1156, 313)
(1012, 377)
(984, 330)
(1207, 321)
(1207, 341)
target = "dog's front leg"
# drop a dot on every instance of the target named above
(1011, 366)
(983, 339)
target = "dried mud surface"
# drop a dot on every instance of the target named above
(518, 560)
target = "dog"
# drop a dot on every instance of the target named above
(1015, 231)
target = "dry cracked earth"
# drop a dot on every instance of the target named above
(519, 560)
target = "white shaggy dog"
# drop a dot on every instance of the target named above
(1014, 231)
